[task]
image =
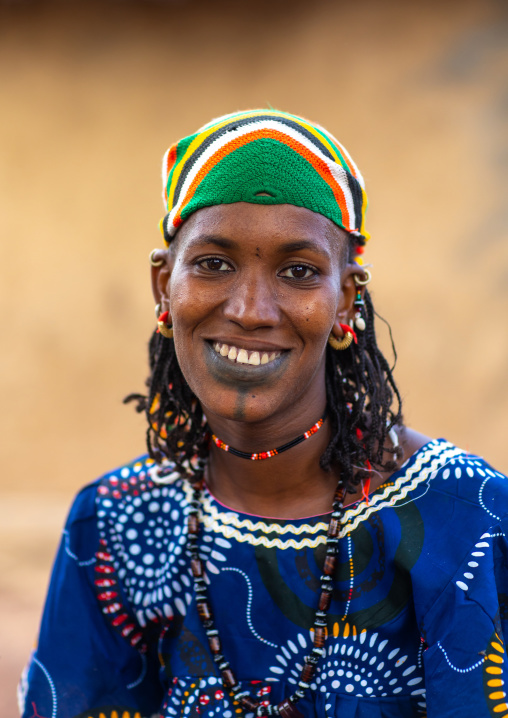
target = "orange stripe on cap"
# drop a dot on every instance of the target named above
(205, 132)
(319, 165)
(170, 161)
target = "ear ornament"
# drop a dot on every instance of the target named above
(359, 305)
(156, 262)
(163, 328)
(363, 282)
(360, 323)
(347, 339)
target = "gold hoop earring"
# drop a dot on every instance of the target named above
(155, 262)
(363, 282)
(165, 329)
(340, 344)
(348, 337)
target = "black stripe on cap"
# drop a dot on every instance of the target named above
(233, 125)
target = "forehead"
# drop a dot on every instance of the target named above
(267, 226)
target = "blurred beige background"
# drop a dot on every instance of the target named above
(92, 93)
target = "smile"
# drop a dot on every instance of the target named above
(239, 355)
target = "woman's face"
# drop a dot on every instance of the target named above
(253, 292)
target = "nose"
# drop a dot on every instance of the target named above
(253, 302)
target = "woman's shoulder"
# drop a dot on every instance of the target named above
(459, 476)
(456, 541)
(450, 492)
(437, 472)
(136, 485)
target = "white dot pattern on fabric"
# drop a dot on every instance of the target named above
(349, 665)
(147, 572)
(483, 543)
(455, 668)
(146, 527)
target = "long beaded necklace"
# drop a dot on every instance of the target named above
(272, 452)
(286, 709)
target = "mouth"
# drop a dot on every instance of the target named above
(234, 365)
(239, 355)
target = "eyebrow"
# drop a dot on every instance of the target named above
(300, 244)
(286, 248)
(219, 241)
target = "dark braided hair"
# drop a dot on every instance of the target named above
(360, 391)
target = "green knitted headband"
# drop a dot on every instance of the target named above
(236, 157)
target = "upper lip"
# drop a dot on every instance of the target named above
(250, 345)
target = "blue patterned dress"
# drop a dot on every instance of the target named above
(415, 627)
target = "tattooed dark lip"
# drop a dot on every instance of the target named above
(233, 373)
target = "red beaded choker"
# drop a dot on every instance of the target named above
(272, 452)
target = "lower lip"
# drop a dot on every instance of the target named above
(229, 372)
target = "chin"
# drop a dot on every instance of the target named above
(241, 404)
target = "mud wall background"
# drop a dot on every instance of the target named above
(92, 93)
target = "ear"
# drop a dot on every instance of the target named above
(160, 275)
(349, 289)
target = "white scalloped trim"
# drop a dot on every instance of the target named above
(229, 524)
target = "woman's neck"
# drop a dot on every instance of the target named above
(289, 485)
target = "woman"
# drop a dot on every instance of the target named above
(288, 547)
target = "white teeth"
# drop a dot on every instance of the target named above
(243, 357)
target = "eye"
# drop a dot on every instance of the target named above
(298, 271)
(215, 264)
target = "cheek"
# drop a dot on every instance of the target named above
(189, 306)
(316, 317)
(188, 364)
(184, 309)
(188, 303)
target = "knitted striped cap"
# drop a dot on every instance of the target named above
(236, 157)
